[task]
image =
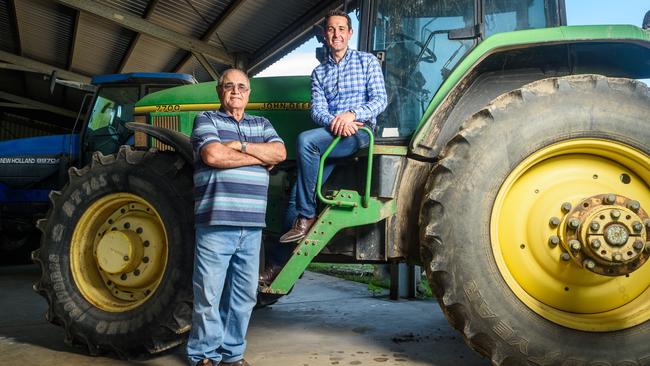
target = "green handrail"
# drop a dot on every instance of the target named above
(319, 181)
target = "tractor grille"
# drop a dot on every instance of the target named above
(169, 122)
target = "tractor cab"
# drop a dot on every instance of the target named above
(113, 106)
(420, 44)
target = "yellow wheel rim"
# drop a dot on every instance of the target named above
(559, 288)
(118, 252)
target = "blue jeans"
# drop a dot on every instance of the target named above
(226, 270)
(311, 146)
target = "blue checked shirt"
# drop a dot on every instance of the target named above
(354, 84)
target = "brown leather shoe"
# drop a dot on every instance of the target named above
(241, 362)
(268, 274)
(299, 230)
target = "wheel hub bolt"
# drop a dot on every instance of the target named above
(574, 223)
(126, 258)
(554, 222)
(610, 199)
(595, 243)
(594, 226)
(637, 227)
(136, 272)
(565, 256)
(589, 263)
(615, 214)
(123, 277)
(634, 206)
(554, 240)
(647, 224)
(575, 245)
(618, 257)
(566, 207)
(638, 244)
(145, 259)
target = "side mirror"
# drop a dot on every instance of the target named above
(646, 21)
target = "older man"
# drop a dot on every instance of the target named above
(347, 92)
(233, 153)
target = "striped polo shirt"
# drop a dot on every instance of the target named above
(234, 196)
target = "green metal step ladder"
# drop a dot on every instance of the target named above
(345, 208)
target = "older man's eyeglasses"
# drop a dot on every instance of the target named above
(242, 88)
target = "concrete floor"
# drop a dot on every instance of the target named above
(324, 321)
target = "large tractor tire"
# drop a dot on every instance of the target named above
(535, 228)
(116, 253)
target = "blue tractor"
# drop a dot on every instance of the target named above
(32, 167)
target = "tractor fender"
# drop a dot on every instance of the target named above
(181, 143)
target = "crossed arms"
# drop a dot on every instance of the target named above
(229, 154)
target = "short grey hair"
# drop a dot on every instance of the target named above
(223, 75)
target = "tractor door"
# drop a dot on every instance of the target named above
(418, 54)
(420, 43)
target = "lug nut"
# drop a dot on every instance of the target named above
(588, 263)
(127, 225)
(610, 199)
(554, 240)
(595, 243)
(615, 214)
(565, 256)
(575, 245)
(618, 257)
(574, 223)
(637, 226)
(554, 222)
(594, 226)
(638, 244)
(136, 272)
(647, 223)
(634, 206)
(123, 277)
(126, 258)
(566, 207)
(145, 259)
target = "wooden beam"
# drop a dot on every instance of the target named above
(38, 105)
(73, 40)
(206, 65)
(140, 25)
(211, 32)
(42, 68)
(14, 23)
(136, 39)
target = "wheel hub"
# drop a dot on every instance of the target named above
(605, 235)
(119, 251)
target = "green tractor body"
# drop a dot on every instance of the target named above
(512, 163)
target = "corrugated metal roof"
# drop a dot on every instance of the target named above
(45, 30)
(247, 30)
(99, 46)
(153, 55)
(88, 43)
(135, 7)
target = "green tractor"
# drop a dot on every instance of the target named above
(512, 163)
